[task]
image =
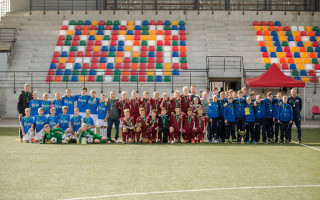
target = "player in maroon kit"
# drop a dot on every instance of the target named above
(156, 102)
(188, 127)
(145, 102)
(134, 105)
(123, 104)
(176, 121)
(196, 106)
(153, 127)
(185, 100)
(201, 126)
(175, 102)
(141, 126)
(165, 102)
(128, 132)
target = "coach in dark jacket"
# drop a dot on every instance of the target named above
(114, 115)
(23, 102)
(296, 104)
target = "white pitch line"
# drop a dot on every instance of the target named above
(307, 146)
(196, 190)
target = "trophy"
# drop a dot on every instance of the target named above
(83, 140)
(78, 139)
(242, 134)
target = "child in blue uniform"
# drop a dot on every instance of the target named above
(53, 119)
(34, 104)
(82, 101)
(40, 120)
(45, 104)
(250, 121)
(240, 117)
(276, 107)
(229, 120)
(213, 114)
(89, 121)
(285, 118)
(269, 116)
(260, 113)
(68, 101)
(102, 115)
(75, 123)
(58, 104)
(221, 126)
(93, 103)
(27, 126)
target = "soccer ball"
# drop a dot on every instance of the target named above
(53, 140)
(89, 139)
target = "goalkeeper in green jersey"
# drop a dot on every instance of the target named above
(91, 136)
(53, 136)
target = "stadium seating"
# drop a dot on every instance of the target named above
(294, 49)
(122, 50)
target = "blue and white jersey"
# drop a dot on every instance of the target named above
(53, 120)
(82, 102)
(76, 123)
(34, 105)
(58, 104)
(64, 121)
(26, 122)
(102, 110)
(40, 122)
(88, 121)
(69, 101)
(46, 107)
(93, 106)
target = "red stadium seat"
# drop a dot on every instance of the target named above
(94, 60)
(143, 66)
(142, 79)
(150, 65)
(286, 28)
(79, 53)
(104, 54)
(263, 23)
(182, 32)
(61, 37)
(108, 27)
(152, 48)
(54, 60)
(175, 65)
(85, 66)
(270, 23)
(160, 22)
(184, 66)
(72, 54)
(61, 66)
(255, 23)
(56, 54)
(126, 66)
(118, 66)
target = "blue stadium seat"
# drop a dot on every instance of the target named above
(113, 48)
(174, 27)
(296, 55)
(87, 22)
(74, 79)
(175, 54)
(92, 37)
(151, 54)
(277, 23)
(303, 73)
(53, 66)
(67, 72)
(273, 55)
(104, 48)
(100, 27)
(159, 79)
(279, 49)
(318, 55)
(167, 22)
(175, 72)
(102, 60)
(300, 44)
(129, 32)
(115, 27)
(137, 27)
(182, 28)
(317, 49)
(78, 32)
(293, 66)
(275, 38)
(183, 43)
(313, 39)
(120, 48)
(277, 44)
(290, 38)
(297, 78)
(59, 72)
(274, 33)
(110, 66)
(120, 43)
(263, 49)
(100, 32)
(77, 66)
(64, 54)
(317, 33)
(145, 22)
(92, 72)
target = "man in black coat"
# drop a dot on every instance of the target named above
(23, 103)
(296, 104)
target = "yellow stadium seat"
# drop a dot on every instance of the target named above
(307, 44)
(97, 48)
(281, 55)
(174, 23)
(70, 32)
(269, 44)
(294, 49)
(305, 79)
(264, 28)
(130, 22)
(130, 27)
(257, 28)
(94, 22)
(93, 32)
(318, 38)
(167, 65)
(152, 32)
(308, 28)
(118, 60)
(63, 60)
(306, 61)
(271, 49)
(99, 37)
(167, 73)
(281, 33)
(152, 37)
(299, 61)
(150, 72)
(304, 55)
(296, 33)
(283, 38)
(129, 37)
(128, 48)
(144, 37)
(266, 60)
(135, 54)
(300, 67)
(82, 78)
(267, 38)
(122, 32)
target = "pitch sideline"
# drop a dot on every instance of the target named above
(195, 190)
(306, 146)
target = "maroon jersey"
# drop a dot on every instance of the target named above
(127, 121)
(142, 121)
(156, 105)
(173, 104)
(146, 104)
(201, 123)
(185, 103)
(134, 107)
(188, 122)
(195, 109)
(123, 104)
(153, 123)
(167, 105)
(176, 121)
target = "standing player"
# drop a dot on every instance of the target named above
(124, 103)
(205, 103)
(213, 114)
(176, 121)
(269, 116)
(89, 121)
(141, 127)
(250, 120)
(164, 124)
(153, 127)
(64, 122)
(188, 127)
(68, 101)
(93, 103)
(34, 104)
(285, 119)
(260, 113)
(145, 102)
(45, 104)
(27, 126)
(128, 133)
(82, 101)
(201, 126)
(185, 100)
(103, 110)
(240, 118)
(58, 104)
(39, 120)
(134, 105)
(75, 123)
(53, 119)
(196, 106)
(276, 107)
(165, 103)
(221, 126)
(229, 120)
(174, 102)
(156, 102)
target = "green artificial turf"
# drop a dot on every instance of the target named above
(43, 171)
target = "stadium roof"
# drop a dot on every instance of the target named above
(273, 78)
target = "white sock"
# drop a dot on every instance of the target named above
(105, 132)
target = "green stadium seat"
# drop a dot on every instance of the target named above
(159, 48)
(150, 79)
(315, 61)
(116, 78)
(84, 72)
(268, 65)
(167, 27)
(285, 44)
(135, 60)
(144, 43)
(106, 37)
(112, 54)
(67, 43)
(288, 33)
(175, 43)
(315, 28)
(80, 22)
(181, 22)
(74, 48)
(159, 66)
(116, 22)
(183, 60)
(99, 78)
(167, 79)
(69, 37)
(294, 72)
(133, 79)
(109, 22)
(310, 49)
(75, 72)
(66, 78)
(145, 32)
(143, 60)
(117, 72)
(72, 22)
(145, 27)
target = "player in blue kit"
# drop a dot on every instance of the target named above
(68, 101)
(45, 104)
(27, 126)
(58, 104)
(34, 104)
(53, 119)
(103, 110)
(82, 101)
(89, 121)
(93, 103)
(40, 120)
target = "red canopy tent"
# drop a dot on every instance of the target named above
(273, 78)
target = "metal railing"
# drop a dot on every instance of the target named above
(8, 38)
(229, 5)
(43, 79)
(225, 63)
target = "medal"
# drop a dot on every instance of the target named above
(164, 121)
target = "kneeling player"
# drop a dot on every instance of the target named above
(188, 127)
(176, 125)
(128, 133)
(141, 126)
(201, 126)
(86, 132)
(53, 136)
(27, 126)
(153, 127)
